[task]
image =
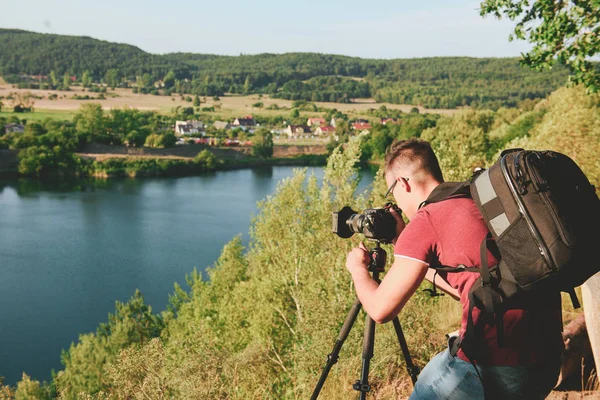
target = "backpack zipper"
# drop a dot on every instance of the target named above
(542, 193)
(541, 246)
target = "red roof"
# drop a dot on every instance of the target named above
(327, 128)
(361, 126)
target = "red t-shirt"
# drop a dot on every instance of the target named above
(450, 233)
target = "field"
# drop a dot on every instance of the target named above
(227, 107)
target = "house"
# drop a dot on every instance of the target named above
(361, 121)
(222, 125)
(189, 127)
(244, 122)
(324, 130)
(316, 122)
(332, 123)
(14, 128)
(361, 126)
(297, 130)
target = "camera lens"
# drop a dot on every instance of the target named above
(356, 223)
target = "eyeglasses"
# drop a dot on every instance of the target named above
(391, 189)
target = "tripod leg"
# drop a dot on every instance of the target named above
(362, 385)
(332, 358)
(413, 370)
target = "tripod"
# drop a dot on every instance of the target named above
(377, 265)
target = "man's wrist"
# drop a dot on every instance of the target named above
(360, 274)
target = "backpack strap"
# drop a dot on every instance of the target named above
(446, 190)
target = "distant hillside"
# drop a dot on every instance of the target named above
(441, 82)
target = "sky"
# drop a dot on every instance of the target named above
(369, 29)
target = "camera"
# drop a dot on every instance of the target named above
(375, 223)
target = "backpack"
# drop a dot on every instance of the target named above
(542, 214)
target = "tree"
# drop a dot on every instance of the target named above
(247, 85)
(89, 121)
(565, 32)
(206, 158)
(86, 80)
(196, 101)
(169, 79)
(112, 78)
(53, 78)
(66, 81)
(1, 104)
(262, 143)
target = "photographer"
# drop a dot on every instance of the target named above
(449, 233)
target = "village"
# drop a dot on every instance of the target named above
(197, 132)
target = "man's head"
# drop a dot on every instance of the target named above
(411, 165)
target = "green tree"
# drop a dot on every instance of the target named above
(53, 78)
(152, 140)
(112, 78)
(262, 143)
(90, 122)
(247, 85)
(206, 158)
(168, 140)
(1, 104)
(86, 79)
(567, 32)
(135, 138)
(66, 81)
(169, 79)
(28, 389)
(196, 101)
(85, 362)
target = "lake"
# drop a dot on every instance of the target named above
(68, 254)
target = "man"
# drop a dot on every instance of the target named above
(450, 233)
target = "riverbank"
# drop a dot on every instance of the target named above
(103, 161)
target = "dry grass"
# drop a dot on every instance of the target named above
(227, 107)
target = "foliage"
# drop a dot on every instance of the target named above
(143, 166)
(262, 143)
(28, 389)
(160, 141)
(85, 362)
(564, 32)
(206, 158)
(91, 124)
(261, 321)
(44, 161)
(446, 82)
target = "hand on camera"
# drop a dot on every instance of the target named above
(358, 260)
(400, 224)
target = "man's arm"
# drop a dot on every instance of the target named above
(384, 301)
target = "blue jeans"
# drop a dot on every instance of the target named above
(449, 377)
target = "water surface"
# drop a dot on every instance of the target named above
(68, 254)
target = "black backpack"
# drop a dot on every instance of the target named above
(543, 216)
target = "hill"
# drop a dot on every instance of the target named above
(439, 82)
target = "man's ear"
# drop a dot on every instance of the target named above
(405, 184)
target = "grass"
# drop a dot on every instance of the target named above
(41, 114)
(227, 107)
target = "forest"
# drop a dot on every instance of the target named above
(38, 60)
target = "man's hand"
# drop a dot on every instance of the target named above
(400, 224)
(358, 260)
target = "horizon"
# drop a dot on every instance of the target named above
(385, 31)
(253, 54)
